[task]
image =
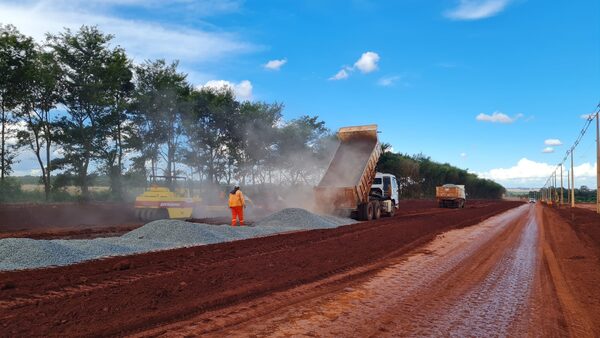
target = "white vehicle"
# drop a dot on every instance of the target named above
(386, 186)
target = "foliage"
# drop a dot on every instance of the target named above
(418, 176)
(80, 100)
(15, 55)
(84, 59)
(40, 97)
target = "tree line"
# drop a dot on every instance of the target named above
(418, 176)
(83, 108)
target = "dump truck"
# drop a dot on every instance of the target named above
(450, 196)
(351, 186)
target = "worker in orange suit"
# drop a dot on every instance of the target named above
(237, 205)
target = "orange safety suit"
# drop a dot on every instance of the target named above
(236, 204)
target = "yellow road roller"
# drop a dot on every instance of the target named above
(167, 197)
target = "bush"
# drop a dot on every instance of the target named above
(9, 189)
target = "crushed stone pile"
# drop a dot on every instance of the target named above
(26, 253)
(302, 219)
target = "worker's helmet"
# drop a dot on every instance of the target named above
(236, 186)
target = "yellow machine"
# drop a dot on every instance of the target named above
(159, 202)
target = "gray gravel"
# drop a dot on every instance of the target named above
(301, 219)
(25, 253)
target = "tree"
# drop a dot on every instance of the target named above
(116, 125)
(257, 128)
(15, 53)
(210, 132)
(418, 176)
(84, 58)
(39, 99)
(300, 149)
(161, 100)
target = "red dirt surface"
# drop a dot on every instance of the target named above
(570, 242)
(523, 273)
(85, 221)
(589, 206)
(585, 223)
(124, 295)
(66, 220)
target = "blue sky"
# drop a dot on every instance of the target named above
(481, 84)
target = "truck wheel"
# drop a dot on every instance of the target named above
(393, 212)
(363, 212)
(376, 210)
(370, 211)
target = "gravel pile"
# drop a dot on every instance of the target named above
(25, 253)
(301, 219)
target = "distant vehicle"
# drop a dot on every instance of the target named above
(351, 185)
(451, 196)
(532, 200)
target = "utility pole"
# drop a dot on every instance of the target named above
(553, 192)
(561, 185)
(572, 181)
(568, 188)
(598, 162)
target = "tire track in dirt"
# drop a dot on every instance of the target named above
(167, 287)
(410, 296)
(70, 291)
(573, 270)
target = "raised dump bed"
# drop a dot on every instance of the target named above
(346, 186)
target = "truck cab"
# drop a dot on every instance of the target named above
(386, 186)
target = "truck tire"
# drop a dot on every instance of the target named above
(370, 212)
(363, 212)
(393, 212)
(376, 210)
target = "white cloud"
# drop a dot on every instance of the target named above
(342, 74)
(142, 39)
(476, 9)
(588, 116)
(275, 64)
(553, 142)
(388, 81)
(534, 173)
(463, 155)
(242, 90)
(367, 62)
(548, 150)
(585, 170)
(497, 117)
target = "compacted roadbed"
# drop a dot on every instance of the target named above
(124, 295)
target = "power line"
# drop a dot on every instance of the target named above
(590, 118)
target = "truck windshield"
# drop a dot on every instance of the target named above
(377, 180)
(386, 185)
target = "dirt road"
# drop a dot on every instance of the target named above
(529, 270)
(500, 277)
